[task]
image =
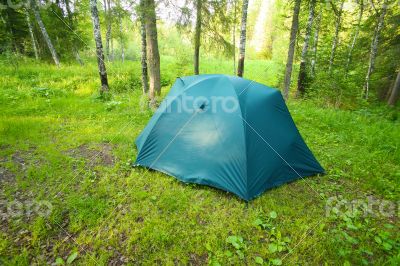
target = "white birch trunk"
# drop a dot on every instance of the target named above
(99, 47)
(315, 43)
(335, 41)
(145, 79)
(28, 21)
(353, 43)
(44, 32)
(234, 37)
(121, 39)
(374, 49)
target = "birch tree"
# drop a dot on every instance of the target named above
(145, 81)
(356, 32)
(374, 47)
(234, 37)
(292, 43)
(107, 12)
(46, 37)
(303, 63)
(153, 56)
(121, 38)
(72, 26)
(99, 47)
(242, 46)
(338, 22)
(28, 22)
(197, 37)
(315, 43)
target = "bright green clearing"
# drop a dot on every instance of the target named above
(60, 143)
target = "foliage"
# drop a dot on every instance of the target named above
(59, 143)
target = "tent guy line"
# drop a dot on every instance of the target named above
(258, 134)
(243, 165)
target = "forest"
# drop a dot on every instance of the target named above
(82, 78)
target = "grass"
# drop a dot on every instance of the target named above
(62, 146)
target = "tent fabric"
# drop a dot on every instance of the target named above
(244, 150)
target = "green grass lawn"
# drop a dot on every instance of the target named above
(68, 193)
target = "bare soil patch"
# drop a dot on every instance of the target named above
(101, 154)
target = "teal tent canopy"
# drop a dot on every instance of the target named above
(226, 132)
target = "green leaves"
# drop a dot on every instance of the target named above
(60, 261)
(238, 243)
(276, 261)
(265, 222)
(272, 248)
(259, 260)
(72, 257)
(273, 215)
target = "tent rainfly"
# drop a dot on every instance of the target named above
(226, 132)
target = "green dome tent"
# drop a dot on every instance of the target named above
(226, 132)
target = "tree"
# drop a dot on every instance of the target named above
(153, 55)
(108, 16)
(395, 91)
(374, 47)
(28, 21)
(242, 46)
(121, 39)
(303, 63)
(357, 30)
(315, 43)
(119, 12)
(145, 81)
(197, 37)
(72, 27)
(292, 43)
(234, 37)
(338, 22)
(44, 32)
(99, 47)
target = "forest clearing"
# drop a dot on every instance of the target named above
(69, 193)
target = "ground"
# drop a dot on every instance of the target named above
(69, 193)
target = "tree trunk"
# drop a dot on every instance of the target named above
(71, 21)
(315, 43)
(28, 21)
(44, 32)
(395, 91)
(197, 37)
(77, 56)
(353, 43)
(301, 86)
(292, 43)
(338, 23)
(234, 37)
(106, 4)
(99, 47)
(242, 46)
(145, 82)
(153, 55)
(374, 49)
(121, 39)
